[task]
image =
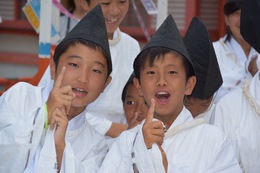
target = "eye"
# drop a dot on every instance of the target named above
(150, 72)
(130, 102)
(122, 2)
(73, 64)
(172, 72)
(105, 3)
(97, 71)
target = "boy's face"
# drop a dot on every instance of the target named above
(197, 106)
(165, 81)
(114, 12)
(86, 73)
(134, 104)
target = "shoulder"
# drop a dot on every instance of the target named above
(133, 42)
(23, 90)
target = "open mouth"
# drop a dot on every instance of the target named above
(162, 96)
(79, 91)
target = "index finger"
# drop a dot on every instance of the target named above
(58, 81)
(150, 113)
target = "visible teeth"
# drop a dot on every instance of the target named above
(80, 90)
(111, 20)
(162, 92)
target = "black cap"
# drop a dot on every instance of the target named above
(250, 23)
(232, 5)
(168, 36)
(202, 54)
(91, 28)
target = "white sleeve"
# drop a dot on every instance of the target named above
(101, 125)
(147, 160)
(119, 157)
(224, 160)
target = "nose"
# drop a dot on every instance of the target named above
(161, 80)
(83, 78)
(114, 9)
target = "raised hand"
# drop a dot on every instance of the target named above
(60, 97)
(252, 67)
(153, 131)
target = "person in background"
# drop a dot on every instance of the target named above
(199, 46)
(134, 105)
(238, 61)
(39, 134)
(169, 139)
(79, 10)
(238, 113)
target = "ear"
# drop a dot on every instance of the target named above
(190, 85)
(52, 69)
(84, 5)
(107, 82)
(138, 87)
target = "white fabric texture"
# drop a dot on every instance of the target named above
(22, 121)
(238, 119)
(233, 65)
(200, 148)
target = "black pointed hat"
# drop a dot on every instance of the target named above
(204, 60)
(91, 28)
(250, 23)
(168, 36)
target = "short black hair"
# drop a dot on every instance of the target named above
(129, 82)
(151, 54)
(63, 47)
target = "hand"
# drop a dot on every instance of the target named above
(59, 119)
(60, 97)
(134, 121)
(152, 130)
(252, 67)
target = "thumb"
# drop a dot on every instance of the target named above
(150, 113)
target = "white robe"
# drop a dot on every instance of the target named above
(207, 114)
(109, 107)
(237, 118)
(233, 65)
(22, 135)
(190, 146)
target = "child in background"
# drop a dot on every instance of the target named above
(134, 105)
(238, 113)
(80, 68)
(201, 102)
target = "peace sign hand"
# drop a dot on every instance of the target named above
(60, 97)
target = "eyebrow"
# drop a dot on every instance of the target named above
(79, 57)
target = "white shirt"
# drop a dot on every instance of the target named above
(22, 135)
(236, 116)
(190, 147)
(233, 65)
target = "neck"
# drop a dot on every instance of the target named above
(245, 46)
(74, 112)
(79, 13)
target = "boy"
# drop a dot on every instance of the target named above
(107, 116)
(238, 113)
(134, 105)
(200, 102)
(81, 67)
(164, 75)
